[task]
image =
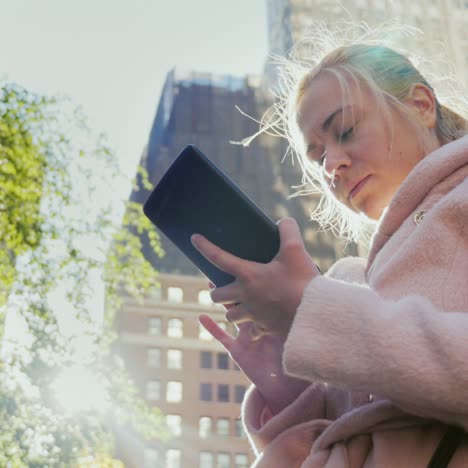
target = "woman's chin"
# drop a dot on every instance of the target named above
(370, 210)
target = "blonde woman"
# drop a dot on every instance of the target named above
(365, 366)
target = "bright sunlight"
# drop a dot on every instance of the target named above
(79, 389)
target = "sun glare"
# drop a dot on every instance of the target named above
(78, 389)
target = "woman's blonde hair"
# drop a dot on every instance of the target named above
(368, 61)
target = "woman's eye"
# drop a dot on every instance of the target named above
(346, 134)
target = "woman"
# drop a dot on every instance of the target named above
(366, 365)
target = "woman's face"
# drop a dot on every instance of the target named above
(364, 156)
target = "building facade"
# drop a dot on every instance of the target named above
(443, 22)
(178, 367)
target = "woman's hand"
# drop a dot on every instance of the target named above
(261, 362)
(270, 293)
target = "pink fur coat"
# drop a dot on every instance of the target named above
(384, 342)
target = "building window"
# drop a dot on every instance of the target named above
(206, 360)
(205, 426)
(153, 390)
(206, 392)
(174, 423)
(240, 429)
(175, 328)
(174, 392)
(173, 458)
(154, 326)
(239, 392)
(241, 460)
(154, 358)
(174, 359)
(223, 393)
(204, 297)
(175, 294)
(222, 426)
(151, 458)
(223, 361)
(223, 460)
(203, 333)
(206, 460)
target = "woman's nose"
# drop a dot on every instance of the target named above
(336, 161)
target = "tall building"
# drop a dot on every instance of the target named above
(444, 23)
(179, 368)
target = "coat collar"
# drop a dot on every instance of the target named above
(426, 175)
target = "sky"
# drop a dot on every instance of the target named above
(111, 56)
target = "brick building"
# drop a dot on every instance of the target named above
(179, 368)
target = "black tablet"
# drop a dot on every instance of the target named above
(195, 196)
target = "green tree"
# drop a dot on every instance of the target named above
(58, 226)
(22, 168)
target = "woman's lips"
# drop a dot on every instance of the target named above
(357, 188)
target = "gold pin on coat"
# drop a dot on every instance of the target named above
(419, 216)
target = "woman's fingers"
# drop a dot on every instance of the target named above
(257, 332)
(216, 331)
(289, 232)
(227, 295)
(292, 250)
(219, 257)
(223, 297)
(253, 331)
(238, 315)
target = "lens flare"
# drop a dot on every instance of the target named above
(78, 389)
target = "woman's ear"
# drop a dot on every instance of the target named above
(422, 103)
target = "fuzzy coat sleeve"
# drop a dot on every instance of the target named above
(405, 349)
